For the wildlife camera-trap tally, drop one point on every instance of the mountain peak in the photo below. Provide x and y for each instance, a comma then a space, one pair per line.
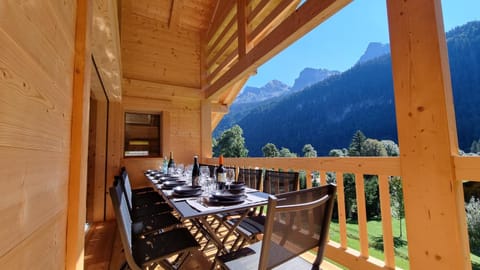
273, 88
374, 50
309, 76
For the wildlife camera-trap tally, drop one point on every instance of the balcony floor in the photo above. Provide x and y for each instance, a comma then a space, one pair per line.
103, 250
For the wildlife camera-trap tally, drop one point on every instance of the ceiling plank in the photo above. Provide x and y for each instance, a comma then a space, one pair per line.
303, 20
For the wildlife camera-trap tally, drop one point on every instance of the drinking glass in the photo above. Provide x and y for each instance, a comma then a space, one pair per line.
179, 169
204, 179
230, 177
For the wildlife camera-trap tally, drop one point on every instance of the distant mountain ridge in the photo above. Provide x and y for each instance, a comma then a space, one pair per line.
374, 50
327, 113
272, 89
310, 76
251, 97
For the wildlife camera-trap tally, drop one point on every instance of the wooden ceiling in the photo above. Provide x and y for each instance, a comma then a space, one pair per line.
191, 15
207, 49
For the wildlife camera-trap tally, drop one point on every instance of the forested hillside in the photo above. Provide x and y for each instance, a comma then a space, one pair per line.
361, 98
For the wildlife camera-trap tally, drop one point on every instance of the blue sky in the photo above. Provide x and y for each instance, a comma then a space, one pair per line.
340, 41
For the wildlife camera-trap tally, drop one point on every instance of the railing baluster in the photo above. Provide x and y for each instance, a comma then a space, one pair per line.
362, 214
383, 184
342, 219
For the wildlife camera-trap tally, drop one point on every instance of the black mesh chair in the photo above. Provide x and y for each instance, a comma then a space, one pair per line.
147, 207
251, 177
144, 251
296, 222
274, 182
141, 196
149, 223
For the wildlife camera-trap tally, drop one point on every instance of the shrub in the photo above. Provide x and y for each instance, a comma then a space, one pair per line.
473, 222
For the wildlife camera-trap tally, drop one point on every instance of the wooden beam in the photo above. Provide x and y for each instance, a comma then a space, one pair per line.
174, 16
278, 13
115, 129
155, 90
223, 50
257, 10
225, 64
307, 17
219, 38
77, 184
219, 108
242, 28
434, 206
206, 130
222, 10
165, 131
106, 46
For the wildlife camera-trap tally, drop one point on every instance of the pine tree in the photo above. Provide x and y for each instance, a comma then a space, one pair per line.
355, 148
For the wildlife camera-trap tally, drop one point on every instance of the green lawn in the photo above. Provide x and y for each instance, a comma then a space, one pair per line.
374, 228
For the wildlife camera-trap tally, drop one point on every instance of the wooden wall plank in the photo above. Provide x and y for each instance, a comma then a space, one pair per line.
46, 42
36, 72
32, 193
31, 90
43, 249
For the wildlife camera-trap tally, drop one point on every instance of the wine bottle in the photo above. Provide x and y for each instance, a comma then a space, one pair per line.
221, 174
195, 171
171, 164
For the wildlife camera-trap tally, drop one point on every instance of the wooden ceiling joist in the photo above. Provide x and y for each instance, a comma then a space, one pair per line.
242, 27
283, 8
224, 9
303, 20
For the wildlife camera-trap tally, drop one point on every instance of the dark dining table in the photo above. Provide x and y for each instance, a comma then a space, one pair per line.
198, 210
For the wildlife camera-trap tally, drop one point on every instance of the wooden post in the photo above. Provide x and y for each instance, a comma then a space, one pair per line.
435, 215
77, 185
206, 130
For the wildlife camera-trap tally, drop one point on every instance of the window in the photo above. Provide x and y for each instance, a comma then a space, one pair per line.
142, 135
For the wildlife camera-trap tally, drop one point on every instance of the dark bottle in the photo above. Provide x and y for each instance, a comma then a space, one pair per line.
171, 164
221, 173
195, 171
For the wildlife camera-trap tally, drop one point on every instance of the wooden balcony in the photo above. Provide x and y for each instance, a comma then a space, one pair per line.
70, 70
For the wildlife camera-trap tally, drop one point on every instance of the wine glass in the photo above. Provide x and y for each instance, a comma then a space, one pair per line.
230, 177
204, 175
179, 169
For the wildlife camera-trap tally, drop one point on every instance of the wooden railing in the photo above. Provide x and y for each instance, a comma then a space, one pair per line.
467, 168
384, 168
